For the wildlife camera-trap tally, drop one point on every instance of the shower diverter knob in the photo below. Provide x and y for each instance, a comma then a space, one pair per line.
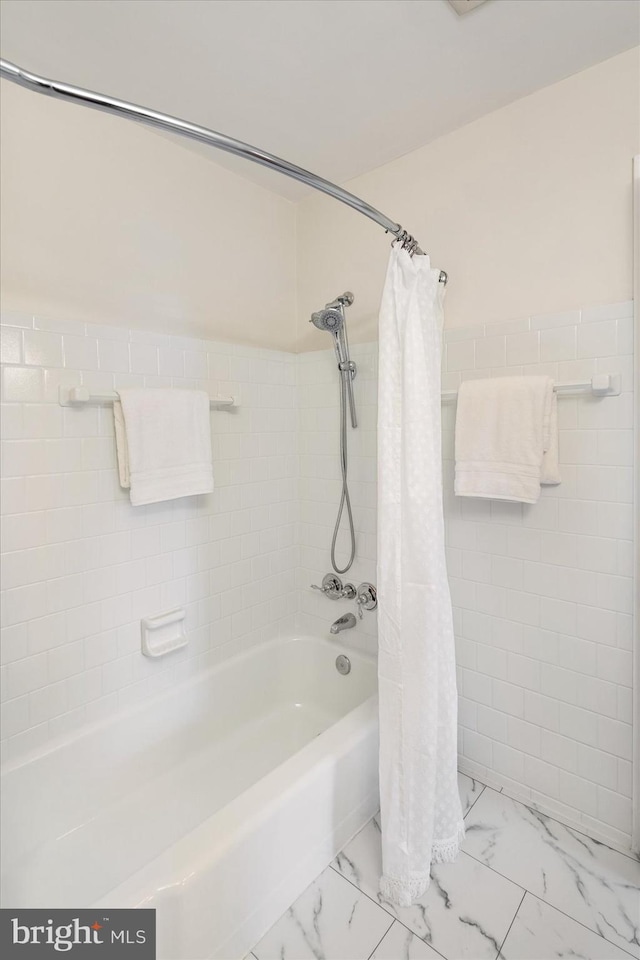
367, 598
331, 586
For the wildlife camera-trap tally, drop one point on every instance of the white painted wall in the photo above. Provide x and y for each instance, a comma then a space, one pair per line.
105, 221
528, 209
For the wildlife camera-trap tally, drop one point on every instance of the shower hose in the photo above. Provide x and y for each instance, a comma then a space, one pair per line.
345, 499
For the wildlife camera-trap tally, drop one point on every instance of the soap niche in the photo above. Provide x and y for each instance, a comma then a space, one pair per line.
163, 633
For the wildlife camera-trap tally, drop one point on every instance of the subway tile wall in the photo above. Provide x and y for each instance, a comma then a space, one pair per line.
542, 593
81, 566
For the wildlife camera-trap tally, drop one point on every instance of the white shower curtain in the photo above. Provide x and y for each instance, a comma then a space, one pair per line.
421, 814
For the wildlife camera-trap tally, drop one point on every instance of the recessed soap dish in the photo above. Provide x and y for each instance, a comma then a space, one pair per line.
163, 633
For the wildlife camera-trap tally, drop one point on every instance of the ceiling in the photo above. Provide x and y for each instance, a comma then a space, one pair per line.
337, 86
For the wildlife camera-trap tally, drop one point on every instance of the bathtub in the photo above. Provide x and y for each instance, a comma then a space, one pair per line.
217, 802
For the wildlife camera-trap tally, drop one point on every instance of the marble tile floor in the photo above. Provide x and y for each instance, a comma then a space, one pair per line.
524, 887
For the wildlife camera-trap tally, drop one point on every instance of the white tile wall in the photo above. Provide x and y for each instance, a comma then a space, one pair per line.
542, 593
81, 566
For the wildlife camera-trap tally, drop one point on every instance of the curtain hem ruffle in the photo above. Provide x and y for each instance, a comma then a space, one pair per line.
404, 891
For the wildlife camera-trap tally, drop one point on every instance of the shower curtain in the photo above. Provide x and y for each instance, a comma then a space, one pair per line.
421, 813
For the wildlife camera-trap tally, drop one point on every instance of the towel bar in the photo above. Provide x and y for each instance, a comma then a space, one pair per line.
80, 397
601, 385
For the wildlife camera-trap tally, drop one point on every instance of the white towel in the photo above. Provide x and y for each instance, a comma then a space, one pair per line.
163, 441
506, 438
550, 469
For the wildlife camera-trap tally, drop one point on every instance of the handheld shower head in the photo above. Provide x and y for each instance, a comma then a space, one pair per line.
330, 319
333, 320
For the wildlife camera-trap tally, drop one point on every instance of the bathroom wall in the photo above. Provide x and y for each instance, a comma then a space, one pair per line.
81, 566
499, 203
542, 593
528, 209
106, 220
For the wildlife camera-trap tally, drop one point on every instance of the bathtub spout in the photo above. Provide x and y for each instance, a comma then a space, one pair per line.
343, 623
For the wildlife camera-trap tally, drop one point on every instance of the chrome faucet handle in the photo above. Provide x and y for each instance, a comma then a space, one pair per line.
367, 598
348, 592
331, 586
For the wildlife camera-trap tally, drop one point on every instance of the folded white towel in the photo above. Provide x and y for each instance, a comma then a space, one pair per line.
163, 441
506, 438
550, 469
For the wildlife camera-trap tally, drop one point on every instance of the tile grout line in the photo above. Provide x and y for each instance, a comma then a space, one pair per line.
525, 891
549, 904
395, 918
421, 939
363, 892
381, 938
581, 833
484, 787
580, 923
513, 920
504, 877
368, 895
630, 856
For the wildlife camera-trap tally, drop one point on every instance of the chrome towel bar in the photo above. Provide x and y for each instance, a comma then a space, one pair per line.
601, 385
80, 397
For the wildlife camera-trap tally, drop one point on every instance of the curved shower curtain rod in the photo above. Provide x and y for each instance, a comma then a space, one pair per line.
122, 108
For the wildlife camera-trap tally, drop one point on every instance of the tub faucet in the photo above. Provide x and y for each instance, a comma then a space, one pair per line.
343, 623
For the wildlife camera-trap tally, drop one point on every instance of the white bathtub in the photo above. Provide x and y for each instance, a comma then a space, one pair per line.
216, 803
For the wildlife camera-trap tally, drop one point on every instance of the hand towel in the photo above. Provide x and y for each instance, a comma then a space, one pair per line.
550, 470
503, 428
163, 442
